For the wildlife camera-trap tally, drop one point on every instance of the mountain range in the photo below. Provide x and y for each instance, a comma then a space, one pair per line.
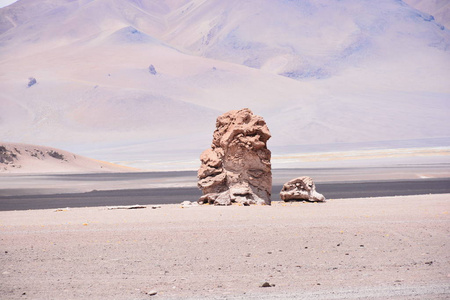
141, 82
32, 159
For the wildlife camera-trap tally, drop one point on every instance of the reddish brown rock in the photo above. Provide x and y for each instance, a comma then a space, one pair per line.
301, 188
237, 166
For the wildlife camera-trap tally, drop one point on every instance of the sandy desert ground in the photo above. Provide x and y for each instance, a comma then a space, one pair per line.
372, 248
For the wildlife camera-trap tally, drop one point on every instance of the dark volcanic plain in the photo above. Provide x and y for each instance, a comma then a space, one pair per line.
178, 194
20, 192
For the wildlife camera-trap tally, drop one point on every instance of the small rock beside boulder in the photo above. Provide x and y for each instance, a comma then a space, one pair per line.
301, 189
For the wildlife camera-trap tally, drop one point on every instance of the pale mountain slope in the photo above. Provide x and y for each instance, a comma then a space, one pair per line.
352, 72
439, 9
303, 39
23, 158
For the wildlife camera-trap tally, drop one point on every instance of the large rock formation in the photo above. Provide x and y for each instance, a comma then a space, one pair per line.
237, 167
301, 188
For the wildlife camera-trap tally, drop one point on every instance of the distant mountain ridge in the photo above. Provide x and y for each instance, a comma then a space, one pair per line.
228, 30
29, 159
319, 72
440, 9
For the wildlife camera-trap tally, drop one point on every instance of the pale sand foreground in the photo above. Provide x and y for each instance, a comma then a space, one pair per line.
394, 247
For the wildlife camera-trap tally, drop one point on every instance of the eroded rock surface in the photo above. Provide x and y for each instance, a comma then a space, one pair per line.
237, 166
301, 188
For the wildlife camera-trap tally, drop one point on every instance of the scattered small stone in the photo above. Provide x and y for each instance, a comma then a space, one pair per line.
318, 283
266, 284
152, 293
188, 204
23, 294
152, 70
31, 81
62, 209
137, 206
429, 263
269, 252
156, 206
338, 244
362, 246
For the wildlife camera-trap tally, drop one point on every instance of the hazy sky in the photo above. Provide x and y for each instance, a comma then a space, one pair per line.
4, 3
